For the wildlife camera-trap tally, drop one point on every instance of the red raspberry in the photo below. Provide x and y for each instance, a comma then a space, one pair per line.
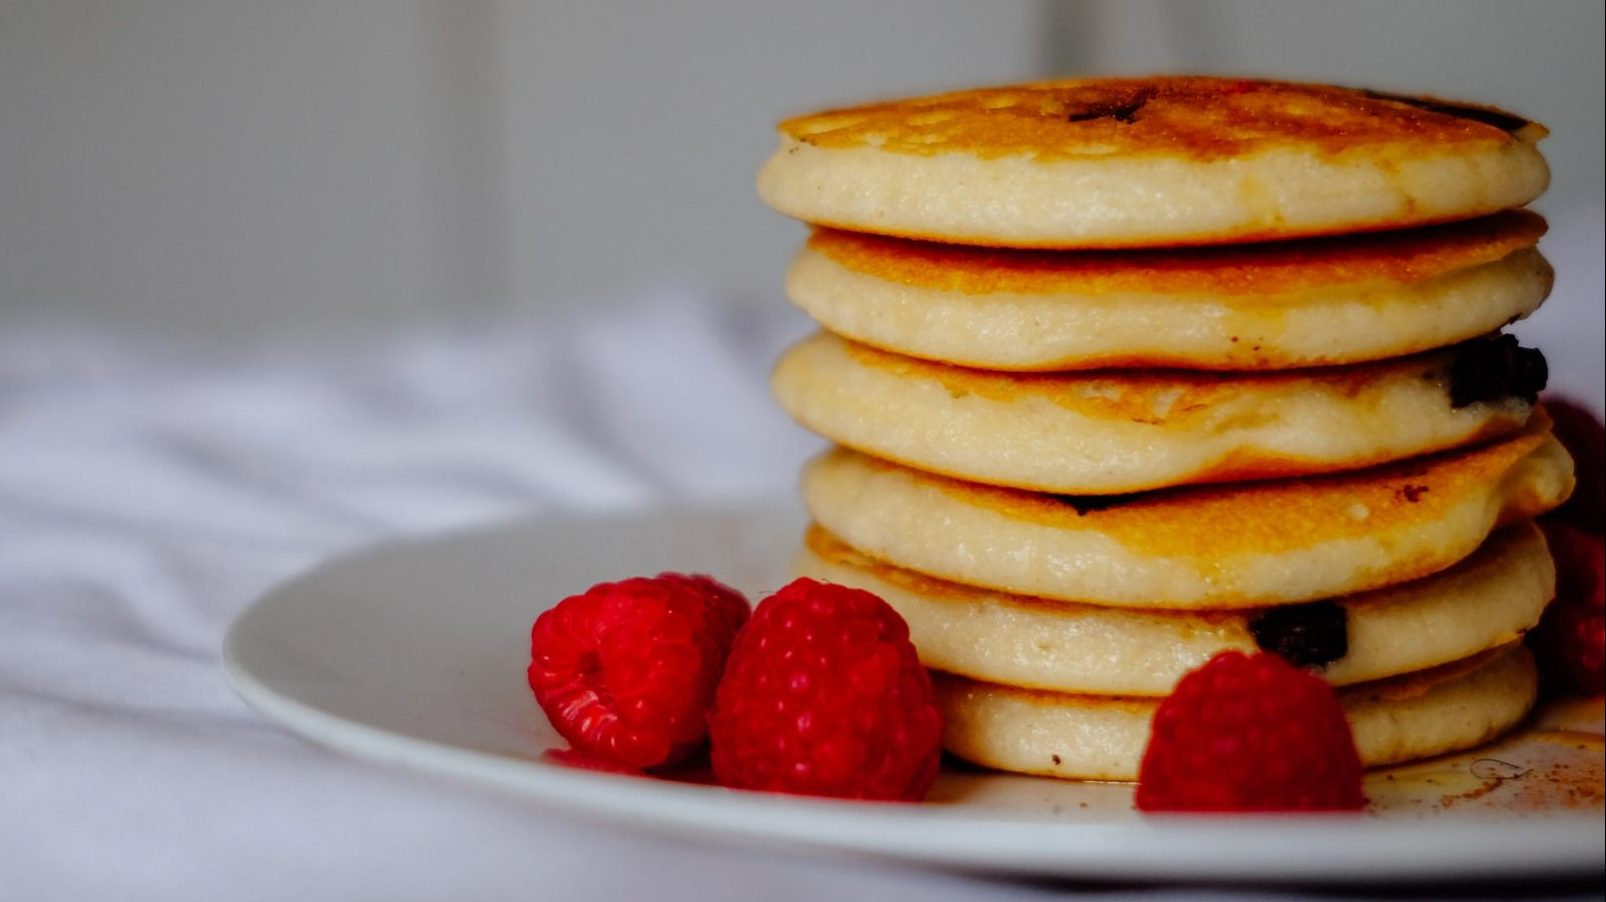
1580, 563
1570, 641
579, 760
1570, 645
626, 671
824, 695
1584, 437
1250, 734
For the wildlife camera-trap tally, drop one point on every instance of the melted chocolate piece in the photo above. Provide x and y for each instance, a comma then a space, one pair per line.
1504, 121
1086, 504
1313, 634
1124, 112
1496, 368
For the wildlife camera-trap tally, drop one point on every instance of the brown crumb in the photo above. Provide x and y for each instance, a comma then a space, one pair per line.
1413, 493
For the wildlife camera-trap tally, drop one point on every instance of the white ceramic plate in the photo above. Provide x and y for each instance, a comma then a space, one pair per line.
413, 654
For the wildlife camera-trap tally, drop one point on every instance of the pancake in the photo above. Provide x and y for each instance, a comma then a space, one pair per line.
1277, 306
1199, 548
1488, 600
1127, 431
1090, 737
1143, 162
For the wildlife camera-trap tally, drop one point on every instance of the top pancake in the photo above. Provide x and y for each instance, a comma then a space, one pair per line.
1142, 162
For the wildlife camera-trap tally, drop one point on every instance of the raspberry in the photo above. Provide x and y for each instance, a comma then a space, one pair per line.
824, 695
1584, 437
1570, 641
1580, 563
1570, 645
579, 760
626, 671
1250, 734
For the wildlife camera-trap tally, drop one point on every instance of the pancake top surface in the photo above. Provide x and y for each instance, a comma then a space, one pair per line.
1238, 270
1191, 117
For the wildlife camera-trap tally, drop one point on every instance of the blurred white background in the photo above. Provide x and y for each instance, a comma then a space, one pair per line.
230, 168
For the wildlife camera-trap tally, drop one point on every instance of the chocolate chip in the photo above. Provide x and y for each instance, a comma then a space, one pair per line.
1413, 493
1313, 634
1500, 119
1087, 504
1122, 111
1494, 369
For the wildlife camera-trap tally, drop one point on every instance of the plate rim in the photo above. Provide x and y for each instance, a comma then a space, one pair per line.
1195, 847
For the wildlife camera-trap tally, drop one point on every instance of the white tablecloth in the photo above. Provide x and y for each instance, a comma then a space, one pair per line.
148, 492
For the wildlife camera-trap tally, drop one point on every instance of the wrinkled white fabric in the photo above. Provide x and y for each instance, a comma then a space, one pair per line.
149, 492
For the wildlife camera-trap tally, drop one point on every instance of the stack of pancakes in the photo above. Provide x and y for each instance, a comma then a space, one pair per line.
1124, 373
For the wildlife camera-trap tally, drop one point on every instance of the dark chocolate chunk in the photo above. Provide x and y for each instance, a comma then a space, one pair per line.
1413, 493
1086, 504
1122, 111
1500, 119
1496, 368
1313, 634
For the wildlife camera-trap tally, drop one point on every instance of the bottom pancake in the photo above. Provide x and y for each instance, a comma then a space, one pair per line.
1089, 737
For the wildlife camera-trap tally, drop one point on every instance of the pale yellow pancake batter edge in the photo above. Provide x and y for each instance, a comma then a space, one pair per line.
999, 539
1486, 601
1145, 200
1110, 433
1346, 323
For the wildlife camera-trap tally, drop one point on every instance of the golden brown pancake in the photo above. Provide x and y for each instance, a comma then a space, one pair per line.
1271, 306
1199, 548
1488, 600
1130, 430
1139, 162
1093, 737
